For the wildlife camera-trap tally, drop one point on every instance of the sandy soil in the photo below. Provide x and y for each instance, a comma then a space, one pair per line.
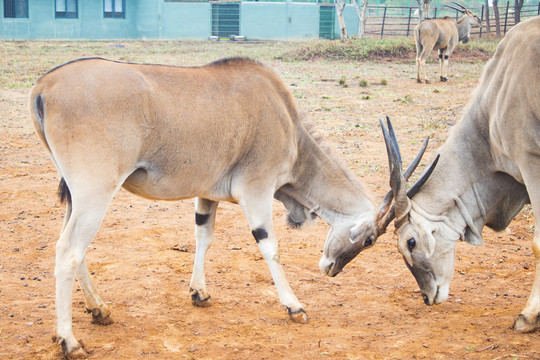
373, 310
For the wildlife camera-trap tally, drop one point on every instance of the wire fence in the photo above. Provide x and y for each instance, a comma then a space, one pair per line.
400, 20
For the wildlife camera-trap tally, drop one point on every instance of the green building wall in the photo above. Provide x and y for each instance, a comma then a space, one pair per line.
159, 19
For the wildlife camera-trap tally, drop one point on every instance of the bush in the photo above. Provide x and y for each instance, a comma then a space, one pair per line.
355, 49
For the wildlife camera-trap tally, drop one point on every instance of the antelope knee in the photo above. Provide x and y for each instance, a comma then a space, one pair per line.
259, 234
201, 219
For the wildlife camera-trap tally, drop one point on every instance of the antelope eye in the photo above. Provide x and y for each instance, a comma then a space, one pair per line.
411, 243
368, 242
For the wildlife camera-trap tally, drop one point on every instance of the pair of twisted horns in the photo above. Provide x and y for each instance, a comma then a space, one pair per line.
458, 7
398, 180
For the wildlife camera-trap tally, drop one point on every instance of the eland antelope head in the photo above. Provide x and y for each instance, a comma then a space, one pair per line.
489, 168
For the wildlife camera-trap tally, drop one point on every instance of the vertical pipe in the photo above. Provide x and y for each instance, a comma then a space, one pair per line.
383, 21
506, 16
482, 20
409, 22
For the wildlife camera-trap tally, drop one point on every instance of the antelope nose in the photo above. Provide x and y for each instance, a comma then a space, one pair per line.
326, 265
426, 299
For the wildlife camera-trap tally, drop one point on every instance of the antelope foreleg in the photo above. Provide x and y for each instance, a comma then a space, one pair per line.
529, 319
269, 249
418, 79
258, 210
204, 234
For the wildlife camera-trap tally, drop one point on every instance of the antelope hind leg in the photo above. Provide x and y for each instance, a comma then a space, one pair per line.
85, 219
101, 313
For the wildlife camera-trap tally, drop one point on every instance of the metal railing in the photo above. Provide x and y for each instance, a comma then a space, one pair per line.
400, 21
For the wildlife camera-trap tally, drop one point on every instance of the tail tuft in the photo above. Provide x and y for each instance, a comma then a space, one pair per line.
63, 192
40, 107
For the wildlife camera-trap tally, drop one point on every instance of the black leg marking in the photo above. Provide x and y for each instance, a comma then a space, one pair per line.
201, 219
259, 234
440, 56
446, 57
63, 192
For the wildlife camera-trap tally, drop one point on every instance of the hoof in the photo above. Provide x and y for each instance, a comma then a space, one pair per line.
298, 316
523, 325
101, 317
428, 82
443, 79
72, 352
198, 300
419, 81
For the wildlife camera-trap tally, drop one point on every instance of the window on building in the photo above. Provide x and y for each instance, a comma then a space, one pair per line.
114, 9
66, 9
15, 8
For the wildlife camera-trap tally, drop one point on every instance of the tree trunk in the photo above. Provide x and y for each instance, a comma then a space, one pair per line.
497, 18
361, 17
340, 5
518, 4
488, 25
423, 9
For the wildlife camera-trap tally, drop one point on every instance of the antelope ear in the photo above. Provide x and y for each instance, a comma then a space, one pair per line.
362, 230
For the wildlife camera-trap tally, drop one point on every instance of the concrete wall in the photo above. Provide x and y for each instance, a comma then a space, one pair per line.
158, 19
279, 21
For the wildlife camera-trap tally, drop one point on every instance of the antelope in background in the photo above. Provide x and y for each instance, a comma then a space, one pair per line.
442, 34
227, 131
489, 169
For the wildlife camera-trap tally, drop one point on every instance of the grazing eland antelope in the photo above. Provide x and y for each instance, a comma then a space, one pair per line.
489, 168
227, 131
442, 34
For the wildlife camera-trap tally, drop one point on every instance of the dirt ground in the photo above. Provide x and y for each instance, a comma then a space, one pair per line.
373, 310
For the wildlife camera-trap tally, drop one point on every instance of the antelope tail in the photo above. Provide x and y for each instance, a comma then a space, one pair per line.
39, 123
419, 46
38, 112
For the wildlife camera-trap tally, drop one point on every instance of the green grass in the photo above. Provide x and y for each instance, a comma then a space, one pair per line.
23, 62
376, 49
353, 50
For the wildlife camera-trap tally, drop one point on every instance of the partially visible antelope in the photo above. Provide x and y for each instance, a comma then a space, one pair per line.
227, 131
442, 34
489, 168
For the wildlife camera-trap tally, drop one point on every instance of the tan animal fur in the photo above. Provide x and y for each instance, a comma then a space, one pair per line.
443, 35
489, 169
227, 131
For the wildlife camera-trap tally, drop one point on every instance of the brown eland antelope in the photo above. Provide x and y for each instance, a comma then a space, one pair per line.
227, 131
442, 34
489, 169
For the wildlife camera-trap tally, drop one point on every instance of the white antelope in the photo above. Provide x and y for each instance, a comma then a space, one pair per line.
489, 169
442, 34
228, 131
